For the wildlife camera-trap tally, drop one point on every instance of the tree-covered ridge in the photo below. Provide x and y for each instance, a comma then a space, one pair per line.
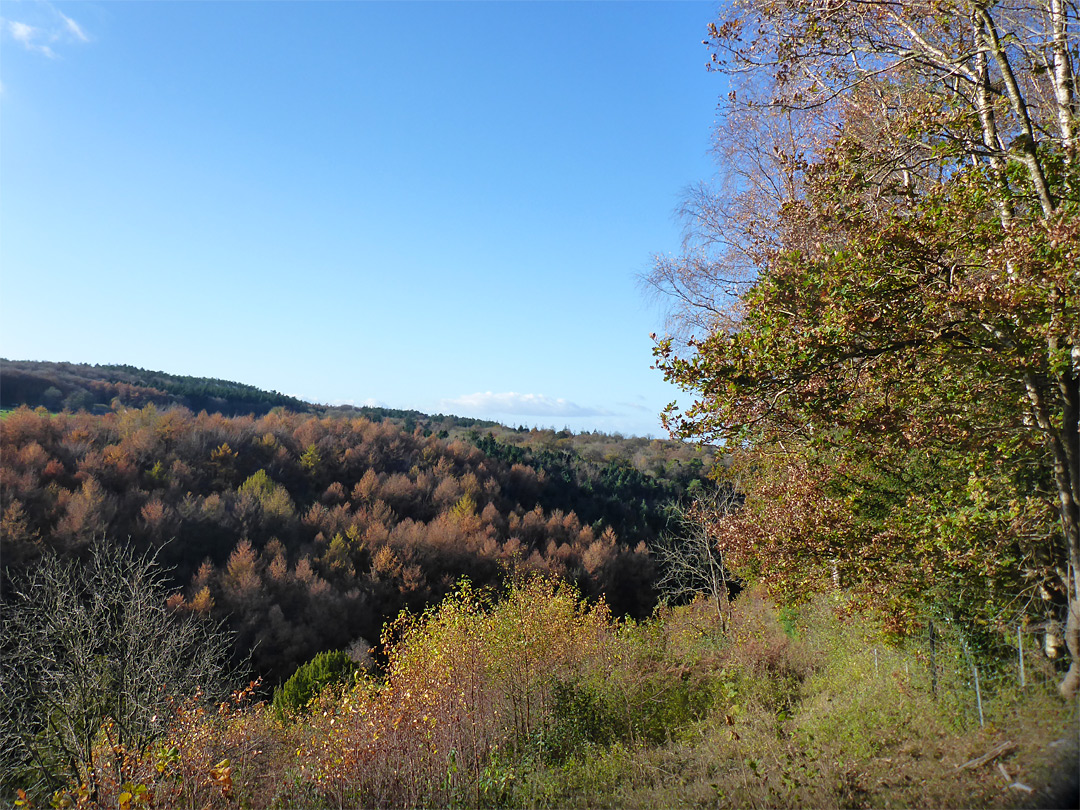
307, 532
79, 386
99, 388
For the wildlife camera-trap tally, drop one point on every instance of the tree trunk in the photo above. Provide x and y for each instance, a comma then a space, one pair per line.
990, 137
1063, 75
1029, 156
1065, 449
1069, 486
1071, 684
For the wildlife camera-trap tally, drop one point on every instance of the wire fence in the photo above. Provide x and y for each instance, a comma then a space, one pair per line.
966, 676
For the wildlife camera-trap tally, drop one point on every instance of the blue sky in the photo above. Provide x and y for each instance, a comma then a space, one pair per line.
441, 206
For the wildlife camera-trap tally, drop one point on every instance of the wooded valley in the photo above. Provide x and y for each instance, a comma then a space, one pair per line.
850, 579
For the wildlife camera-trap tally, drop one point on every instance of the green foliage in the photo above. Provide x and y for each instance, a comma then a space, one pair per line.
583, 714
892, 339
156, 476
311, 460
465, 507
601, 489
325, 669
878, 367
81, 387
273, 497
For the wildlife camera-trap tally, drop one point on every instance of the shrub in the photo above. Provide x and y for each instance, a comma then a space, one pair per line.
583, 714
469, 687
326, 668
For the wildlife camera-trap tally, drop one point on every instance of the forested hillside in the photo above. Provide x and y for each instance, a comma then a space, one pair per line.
77, 386
876, 322
306, 533
99, 388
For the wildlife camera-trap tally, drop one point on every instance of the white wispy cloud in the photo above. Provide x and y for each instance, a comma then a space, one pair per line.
30, 37
22, 32
519, 405
73, 27
368, 402
50, 29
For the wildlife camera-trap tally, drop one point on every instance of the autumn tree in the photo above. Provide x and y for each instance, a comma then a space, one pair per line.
887, 288
298, 556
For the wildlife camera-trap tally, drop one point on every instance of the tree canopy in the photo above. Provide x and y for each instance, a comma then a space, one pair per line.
879, 303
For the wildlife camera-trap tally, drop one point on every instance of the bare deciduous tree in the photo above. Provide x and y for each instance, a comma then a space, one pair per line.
689, 560
91, 648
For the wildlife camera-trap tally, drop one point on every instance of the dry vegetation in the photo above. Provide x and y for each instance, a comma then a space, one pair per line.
537, 699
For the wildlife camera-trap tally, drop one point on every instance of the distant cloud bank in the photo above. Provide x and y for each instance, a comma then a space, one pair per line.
519, 405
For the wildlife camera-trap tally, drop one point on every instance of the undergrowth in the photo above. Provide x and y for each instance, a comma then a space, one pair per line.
537, 699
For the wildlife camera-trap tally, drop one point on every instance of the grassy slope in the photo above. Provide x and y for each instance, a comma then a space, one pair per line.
536, 703
810, 712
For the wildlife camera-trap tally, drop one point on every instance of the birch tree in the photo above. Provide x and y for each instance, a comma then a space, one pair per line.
900, 241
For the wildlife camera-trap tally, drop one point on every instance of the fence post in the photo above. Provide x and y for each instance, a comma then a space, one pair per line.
933, 661
1020, 639
978, 694
978, 691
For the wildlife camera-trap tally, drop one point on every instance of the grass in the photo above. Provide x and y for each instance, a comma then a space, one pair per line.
819, 713
537, 701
